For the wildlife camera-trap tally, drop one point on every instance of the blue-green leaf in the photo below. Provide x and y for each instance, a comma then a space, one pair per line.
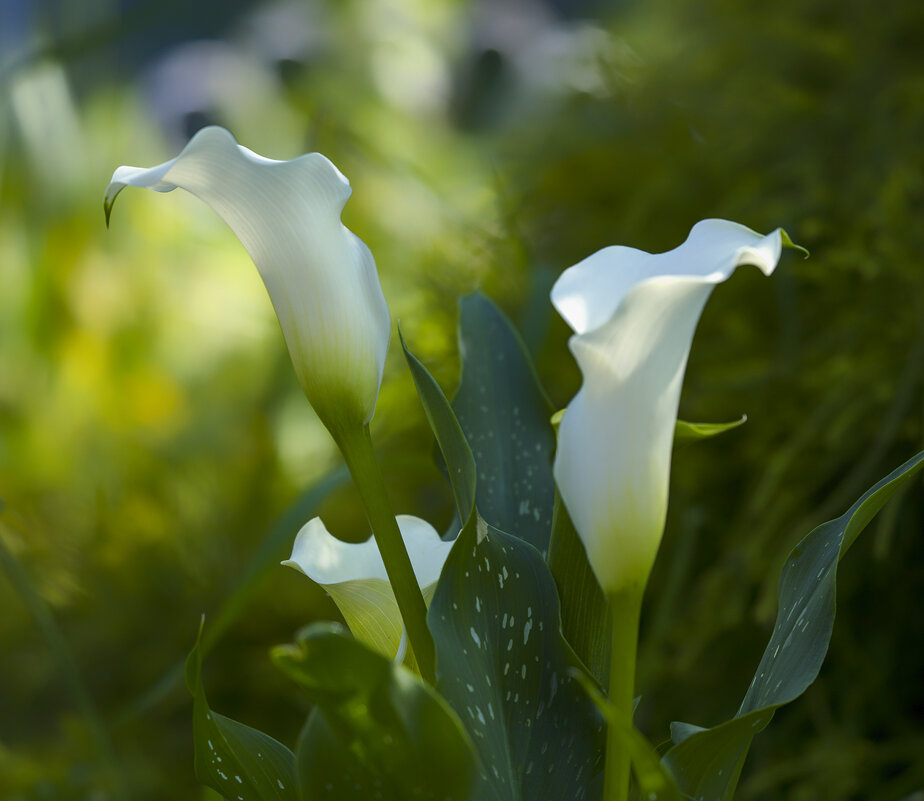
382, 732
449, 436
239, 762
505, 414
707, 763
504, 666
501, 660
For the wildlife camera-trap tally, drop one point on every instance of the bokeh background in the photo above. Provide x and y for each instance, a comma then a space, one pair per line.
156, 453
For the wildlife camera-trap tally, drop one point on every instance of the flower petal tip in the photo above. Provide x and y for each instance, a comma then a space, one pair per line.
293, 564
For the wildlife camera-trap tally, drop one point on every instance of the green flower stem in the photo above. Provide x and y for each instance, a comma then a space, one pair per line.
356, 446
625, 608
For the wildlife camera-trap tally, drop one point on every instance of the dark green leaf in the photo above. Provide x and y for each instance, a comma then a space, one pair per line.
504, 414
501, 660
399, 740
654, 781
680, 731
505, 668
585, 614
707, 763
241, 763
449, 436
328, 770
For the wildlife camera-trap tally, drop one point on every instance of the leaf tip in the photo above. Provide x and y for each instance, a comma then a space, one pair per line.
193, 668
555, 419
109, 200
788, 243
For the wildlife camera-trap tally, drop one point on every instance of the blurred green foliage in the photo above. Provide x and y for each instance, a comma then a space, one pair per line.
152, 430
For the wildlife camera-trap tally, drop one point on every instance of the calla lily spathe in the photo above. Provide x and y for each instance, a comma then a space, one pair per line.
320, 276
354, 576
634, 315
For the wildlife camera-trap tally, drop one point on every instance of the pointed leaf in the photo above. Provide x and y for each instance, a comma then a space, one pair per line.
585, 614
685, 433
680, 731
449, 436
239, 762
401, 735
707, 763
501, 660
504, 414
788, 243
505, 668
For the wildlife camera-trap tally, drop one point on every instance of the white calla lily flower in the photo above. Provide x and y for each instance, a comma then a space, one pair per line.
354, 576
320, 276
634, 315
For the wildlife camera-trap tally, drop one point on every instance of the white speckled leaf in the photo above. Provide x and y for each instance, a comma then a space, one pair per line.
707, 762
239, 762
505, 668
501, 660
504, 414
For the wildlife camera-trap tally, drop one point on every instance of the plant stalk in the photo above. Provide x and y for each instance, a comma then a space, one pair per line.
625, 608
356, 446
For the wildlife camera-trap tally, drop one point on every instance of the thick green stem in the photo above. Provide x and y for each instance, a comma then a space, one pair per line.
356, 446
625, 608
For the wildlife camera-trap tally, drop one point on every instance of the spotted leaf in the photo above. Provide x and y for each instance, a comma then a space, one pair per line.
239, 762
501, 660
707, 762
504, 666
505, 416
